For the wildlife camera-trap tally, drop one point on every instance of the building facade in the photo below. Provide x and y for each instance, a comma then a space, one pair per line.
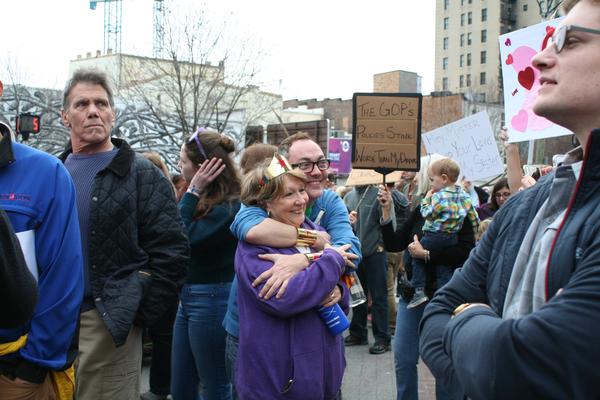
466, 43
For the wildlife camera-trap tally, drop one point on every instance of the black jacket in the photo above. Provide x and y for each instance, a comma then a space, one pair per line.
18, 288
139, 253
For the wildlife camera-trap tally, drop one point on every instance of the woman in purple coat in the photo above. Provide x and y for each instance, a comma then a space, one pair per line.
286, 351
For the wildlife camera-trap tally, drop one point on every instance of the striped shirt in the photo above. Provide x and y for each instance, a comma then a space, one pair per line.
446, 210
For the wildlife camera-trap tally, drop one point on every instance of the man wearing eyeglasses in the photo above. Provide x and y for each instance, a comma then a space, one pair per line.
135, 251
253, 225
521, 319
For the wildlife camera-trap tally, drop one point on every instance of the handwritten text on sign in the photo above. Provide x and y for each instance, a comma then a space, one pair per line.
470, 142
386, 131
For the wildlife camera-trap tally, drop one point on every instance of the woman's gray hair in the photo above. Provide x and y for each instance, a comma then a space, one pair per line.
423, 183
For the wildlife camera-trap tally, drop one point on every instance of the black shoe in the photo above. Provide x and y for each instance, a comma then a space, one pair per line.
379, 348
352, 340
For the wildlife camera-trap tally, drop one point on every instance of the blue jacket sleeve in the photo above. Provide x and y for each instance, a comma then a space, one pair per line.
305, 290
60, 265
245, 219
337, 223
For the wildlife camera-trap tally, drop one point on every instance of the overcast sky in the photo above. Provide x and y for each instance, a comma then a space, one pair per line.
317, 48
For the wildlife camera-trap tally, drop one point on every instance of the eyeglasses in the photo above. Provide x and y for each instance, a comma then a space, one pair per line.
558, 36
308, 166
194, 138
502, 194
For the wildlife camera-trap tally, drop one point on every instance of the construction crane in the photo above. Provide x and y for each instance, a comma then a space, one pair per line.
113, 11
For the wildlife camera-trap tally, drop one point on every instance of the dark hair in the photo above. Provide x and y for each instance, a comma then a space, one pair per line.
501, 184
226, 187
284, 146
92, 76
256, 154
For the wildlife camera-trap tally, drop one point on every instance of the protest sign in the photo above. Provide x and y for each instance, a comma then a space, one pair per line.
387, 131
470, 142
339, 152
359, 177
521, 83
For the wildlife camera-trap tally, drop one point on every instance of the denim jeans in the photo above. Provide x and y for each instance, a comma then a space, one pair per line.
161, 334
232, 344
406, 353
198, 356
372, 272
433, 241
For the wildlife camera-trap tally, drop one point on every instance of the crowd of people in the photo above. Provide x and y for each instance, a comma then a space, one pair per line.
243, 277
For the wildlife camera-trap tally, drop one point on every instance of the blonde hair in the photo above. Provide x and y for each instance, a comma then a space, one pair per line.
256, 192
446, 166
483, 225
423, 183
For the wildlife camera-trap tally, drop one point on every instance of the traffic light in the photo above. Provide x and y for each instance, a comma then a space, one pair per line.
28, 123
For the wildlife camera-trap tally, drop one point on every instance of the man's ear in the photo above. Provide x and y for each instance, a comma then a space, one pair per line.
65, 118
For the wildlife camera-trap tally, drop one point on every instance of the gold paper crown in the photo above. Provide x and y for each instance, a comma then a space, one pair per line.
278, 166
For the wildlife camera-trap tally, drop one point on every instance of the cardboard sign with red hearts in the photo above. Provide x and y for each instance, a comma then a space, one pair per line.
521, 83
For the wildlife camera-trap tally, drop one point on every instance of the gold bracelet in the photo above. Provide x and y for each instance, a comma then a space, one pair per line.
313, 256
305, 237
460, 309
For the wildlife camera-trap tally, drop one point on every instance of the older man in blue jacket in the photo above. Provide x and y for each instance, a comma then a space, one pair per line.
521, 318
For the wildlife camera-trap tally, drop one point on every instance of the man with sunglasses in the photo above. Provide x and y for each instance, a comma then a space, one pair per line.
135, 251
521, 319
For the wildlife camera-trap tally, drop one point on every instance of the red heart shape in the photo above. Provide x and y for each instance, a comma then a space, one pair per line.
549, 28
509, 59
525, 78
507, 42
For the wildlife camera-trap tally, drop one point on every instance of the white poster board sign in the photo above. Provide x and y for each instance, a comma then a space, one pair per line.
470, 142
521, 84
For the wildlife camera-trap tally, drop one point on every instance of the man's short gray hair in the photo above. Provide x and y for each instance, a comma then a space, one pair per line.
92, 76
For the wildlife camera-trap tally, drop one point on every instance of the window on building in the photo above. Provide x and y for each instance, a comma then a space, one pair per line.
483, 14
462, 19
470, 18
445, 84
446, 4
445, 63
469, 38
462, 39
462, 2
525, 6
483, 57
468, 59
445, 43
462, 81
446, 23
461, 61
482, 97
482, 78
470, 1
468, 80
484, 36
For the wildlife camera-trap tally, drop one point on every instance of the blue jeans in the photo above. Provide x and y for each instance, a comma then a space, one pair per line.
406, 353
199, 344
433, 241
232, 344
372, 272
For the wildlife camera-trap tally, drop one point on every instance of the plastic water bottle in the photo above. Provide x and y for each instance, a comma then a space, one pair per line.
357, 294
334, 318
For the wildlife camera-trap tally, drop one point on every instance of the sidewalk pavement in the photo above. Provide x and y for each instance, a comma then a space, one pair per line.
367, 376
